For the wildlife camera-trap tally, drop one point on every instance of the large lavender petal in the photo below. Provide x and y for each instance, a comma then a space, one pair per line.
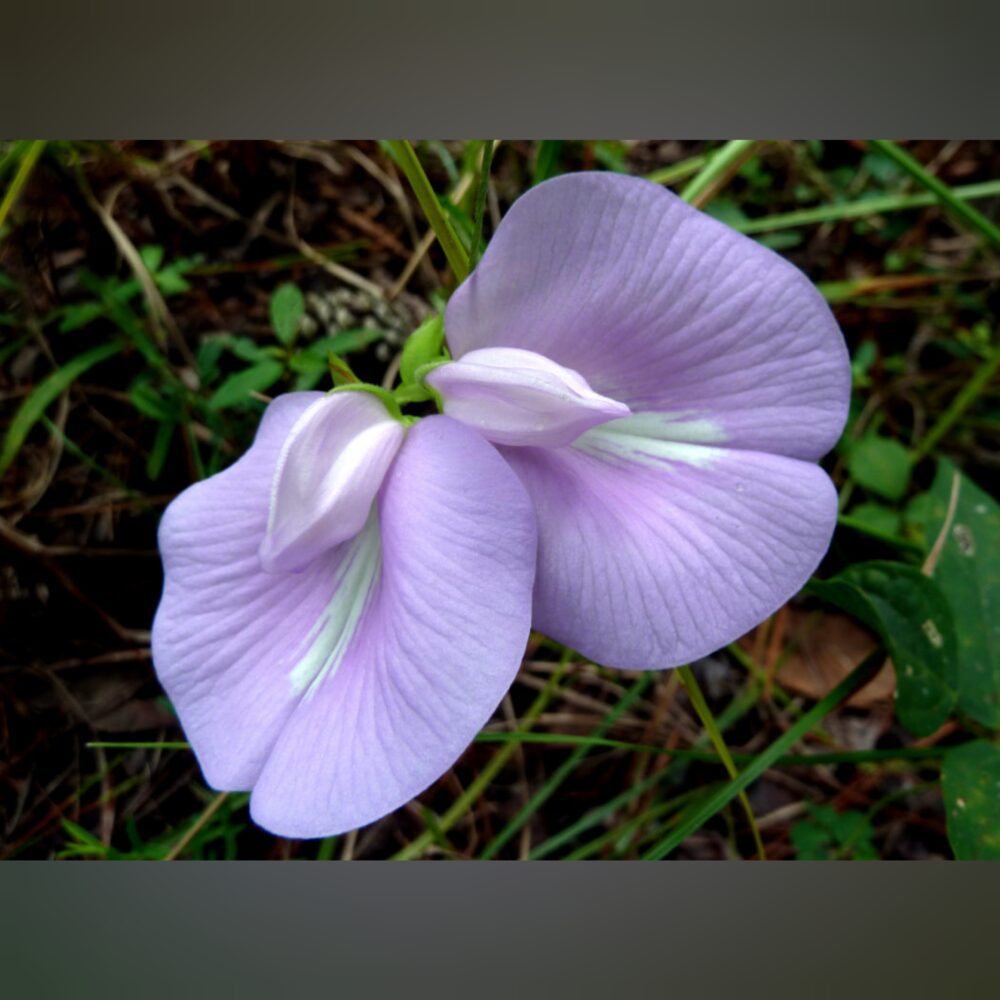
663, 308
653, 553
437, 648
339, 692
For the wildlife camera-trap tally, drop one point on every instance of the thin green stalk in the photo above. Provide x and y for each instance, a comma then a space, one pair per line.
962, 401
861, 209
855, 680
24, 169
724, 159
677, 171
694, 692
462, 804
480, 208
458, 259
944, 194
563, 771
567, 739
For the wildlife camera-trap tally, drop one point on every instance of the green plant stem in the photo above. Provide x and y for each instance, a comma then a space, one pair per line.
941, 191
677, 171
694, 692
567, 739
480, 207
24, 169
966, 396
562, 772
861, 209
458, 259
461, 805
724, 160
855, 680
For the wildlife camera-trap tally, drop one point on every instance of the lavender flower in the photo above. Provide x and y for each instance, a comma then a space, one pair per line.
346, 605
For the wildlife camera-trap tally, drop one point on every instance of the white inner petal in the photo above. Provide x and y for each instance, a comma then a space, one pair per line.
517, 397
324, 648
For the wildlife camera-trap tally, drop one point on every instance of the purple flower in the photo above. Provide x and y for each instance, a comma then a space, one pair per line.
347, 604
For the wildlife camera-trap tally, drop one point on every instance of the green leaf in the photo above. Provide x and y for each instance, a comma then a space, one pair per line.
152, 256
49, 389
345, 342
911, 615
968, 573
237, 388
287, 310
423, 345
827, 834
970, 783
877, 517
881, 465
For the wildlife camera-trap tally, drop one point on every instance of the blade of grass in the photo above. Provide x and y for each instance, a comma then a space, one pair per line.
855, 680
862, 208
970, 216
966, 396
480, 208
677, 171
694, 692
196, 827
721, 166
461, 805
46, 392
406, 157
563, 771
20, 179
567, 739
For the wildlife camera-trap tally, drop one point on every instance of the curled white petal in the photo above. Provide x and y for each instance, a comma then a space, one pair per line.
328, 474
517, 397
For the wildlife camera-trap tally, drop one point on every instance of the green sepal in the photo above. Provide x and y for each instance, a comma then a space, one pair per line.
390, 404
424, 344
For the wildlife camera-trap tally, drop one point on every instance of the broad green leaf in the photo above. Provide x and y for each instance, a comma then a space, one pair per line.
970, 782
152, 256
287, 309
237, 388
423, 345
881, 465
968, 573
912, 617
39, 399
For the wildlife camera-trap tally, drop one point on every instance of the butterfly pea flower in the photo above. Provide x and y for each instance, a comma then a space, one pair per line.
343, 608
632, 412
669, 531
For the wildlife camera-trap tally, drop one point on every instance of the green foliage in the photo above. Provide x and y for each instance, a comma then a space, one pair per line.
287, 309
881, 465
970, 783
828, 835
424, 345
968, 574
912, 618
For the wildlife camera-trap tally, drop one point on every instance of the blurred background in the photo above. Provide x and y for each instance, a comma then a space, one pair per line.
155, 295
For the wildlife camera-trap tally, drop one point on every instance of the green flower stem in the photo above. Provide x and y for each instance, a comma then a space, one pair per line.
694, 692
941, 191
458, 259
724, 161
962, 401
855, 680
464, 802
